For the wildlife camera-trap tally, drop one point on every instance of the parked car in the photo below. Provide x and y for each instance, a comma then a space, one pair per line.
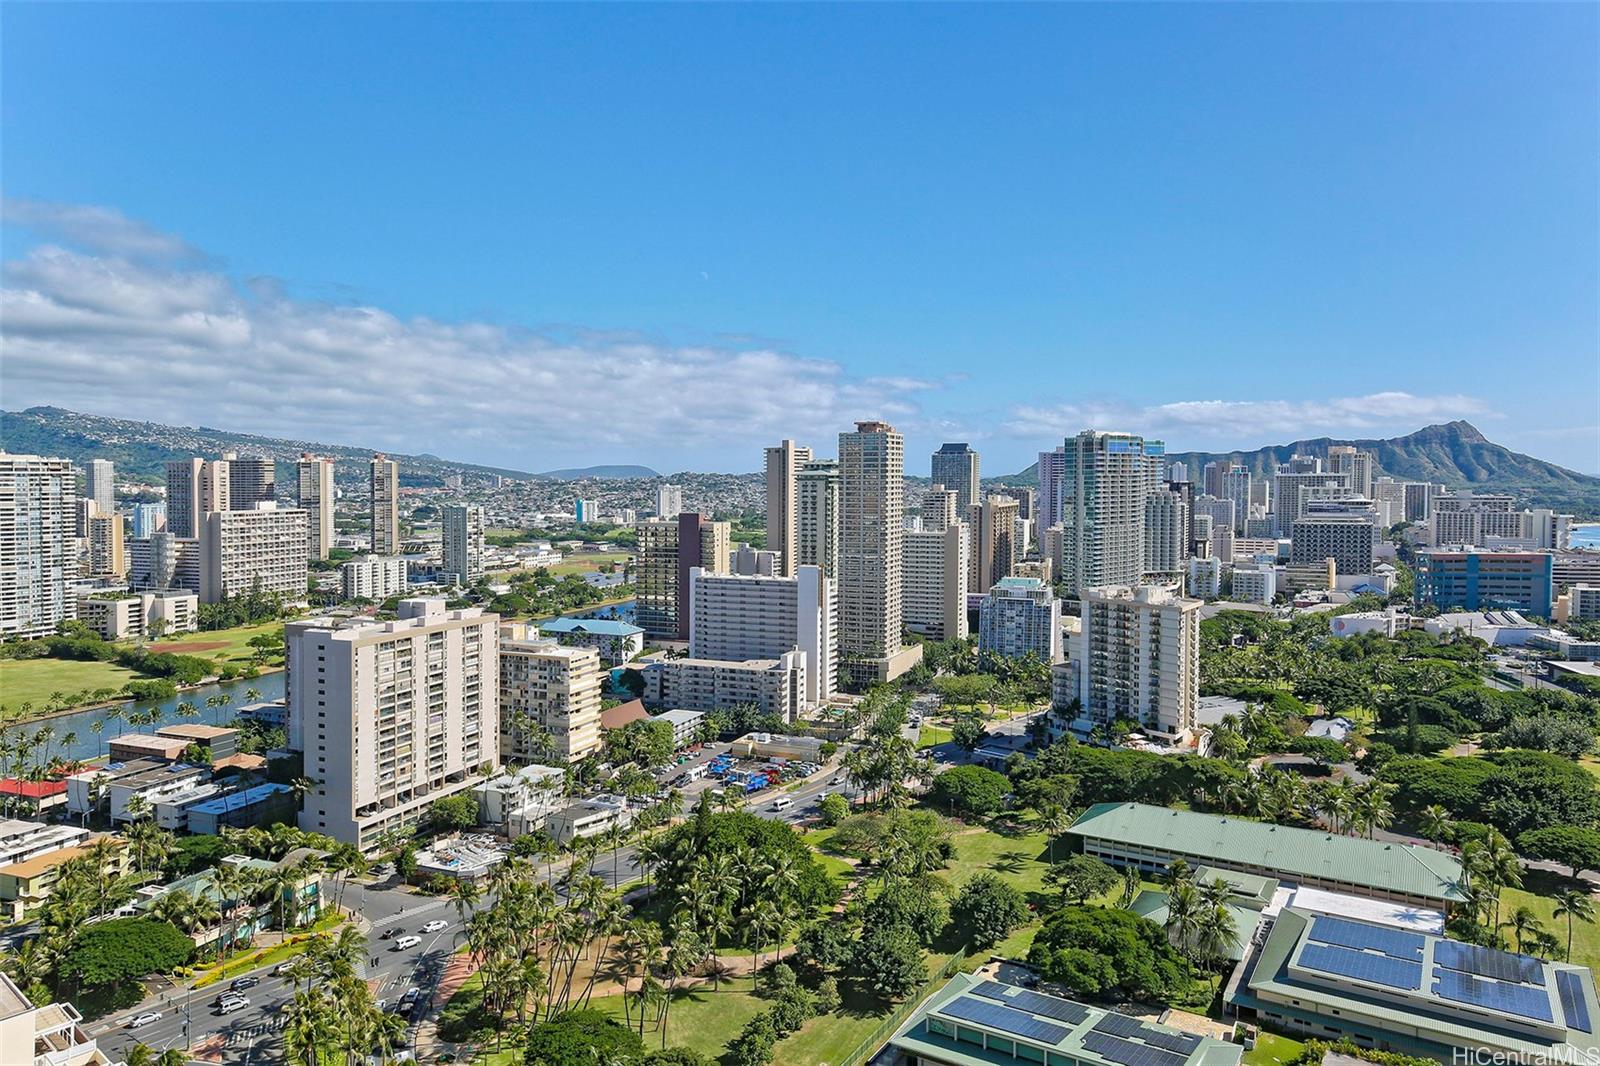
147, 1018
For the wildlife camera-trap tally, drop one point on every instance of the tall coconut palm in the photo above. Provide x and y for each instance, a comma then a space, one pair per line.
1523, 923
1573, 903
1435, 823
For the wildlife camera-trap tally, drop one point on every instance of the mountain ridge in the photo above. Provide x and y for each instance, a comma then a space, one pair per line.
1455, 454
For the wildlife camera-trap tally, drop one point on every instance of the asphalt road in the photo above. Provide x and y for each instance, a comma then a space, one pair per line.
252, 1035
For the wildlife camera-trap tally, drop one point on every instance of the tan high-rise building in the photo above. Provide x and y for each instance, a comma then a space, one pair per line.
933, 587
1138, 655
668, 549
183, 497
545, 686
941, 508
996, 553
871, 532
317, 498
391, 716
38, 551
385, 506
817, 510
107, 558
783, 469
251, 480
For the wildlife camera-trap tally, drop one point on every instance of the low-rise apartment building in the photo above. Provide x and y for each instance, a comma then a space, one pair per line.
373, 577
775, 686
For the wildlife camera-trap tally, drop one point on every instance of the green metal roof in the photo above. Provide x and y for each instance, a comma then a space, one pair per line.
1153, 905
1417, 1016
915, 1038
1296, 853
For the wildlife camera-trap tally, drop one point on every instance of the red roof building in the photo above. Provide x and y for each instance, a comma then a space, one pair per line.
623, 713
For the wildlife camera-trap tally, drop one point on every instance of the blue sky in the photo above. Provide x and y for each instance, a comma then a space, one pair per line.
546, 236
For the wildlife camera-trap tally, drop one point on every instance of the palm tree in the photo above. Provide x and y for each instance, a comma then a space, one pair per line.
97, 727
1435, 823
1183, 915
1573, 903
762, 923
1523, 922
1131, 882
463, 894
1216, 933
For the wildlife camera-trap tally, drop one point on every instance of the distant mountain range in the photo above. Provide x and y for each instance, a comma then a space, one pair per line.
578, 473
1455, 454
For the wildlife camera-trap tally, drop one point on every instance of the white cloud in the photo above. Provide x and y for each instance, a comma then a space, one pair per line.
120, 325
1228, 423
100, 229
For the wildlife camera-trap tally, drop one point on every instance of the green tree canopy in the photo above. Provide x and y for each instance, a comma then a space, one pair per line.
125, 949
581, 1038
974, 790
1574, 846
1110, 954
987, 909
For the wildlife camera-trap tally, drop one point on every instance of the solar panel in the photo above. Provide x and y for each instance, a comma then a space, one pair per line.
1396, 943
1127, 1053
1573, 1004
1063, 1010
1487, 962
1004, 1019
1362, 965
1505, 997
992, 990
1183, 1043
1119, 1025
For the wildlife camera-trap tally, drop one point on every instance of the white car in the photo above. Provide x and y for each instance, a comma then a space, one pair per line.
434, 926
147, 1018
406, 942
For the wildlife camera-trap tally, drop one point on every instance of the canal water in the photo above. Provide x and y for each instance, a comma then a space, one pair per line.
88, 746
270, 686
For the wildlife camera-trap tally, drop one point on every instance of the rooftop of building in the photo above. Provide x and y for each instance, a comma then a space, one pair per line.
40, 863
21, 827
605, 627
1296, 853
157, 774
1444, 991
164, 746
234, 801
680, 716
240, 760
12, 786
1091, 1036
623, 713
527, 776
195, 731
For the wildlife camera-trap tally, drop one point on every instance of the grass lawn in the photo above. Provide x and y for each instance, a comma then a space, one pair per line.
35, 680
588, 562
930, 736
1272, 1050
235, 642
1537, 894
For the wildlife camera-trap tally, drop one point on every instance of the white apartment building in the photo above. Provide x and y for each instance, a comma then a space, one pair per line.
164, 561
1205, 577
1294, 484
739, 617
100, 485
119, 615
1582, 603
38, 554
263, 548
871, 527
518, 802
1020, 615
373, 577
1254, 583
1357, 466
774, 686
383, 507
1105, 480
391, 715
463, 543
669, 500
1139, 659
549, 687
317, 498
817, 515
1166, 534
21, 840
1349, 539
933, 583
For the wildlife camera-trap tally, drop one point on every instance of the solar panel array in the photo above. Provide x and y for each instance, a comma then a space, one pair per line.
1362, 965
1487, 962
1126, 1052
1062, 1010
1573, 1004
1120, 1025
1506, 997
1004, 1019
1396, 943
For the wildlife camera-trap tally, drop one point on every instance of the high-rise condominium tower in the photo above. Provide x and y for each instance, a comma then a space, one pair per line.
669, 500
955, 466
1354, 464
385, 507
38, 519
1139, 658
669, 548
107, 558
817, 515
871, 525
995, 552
100, 485
1047, 509
463, 542
195, 488
783, 469
1104, 482
316, 500
251, 480
550, 689
263, 548
391, 716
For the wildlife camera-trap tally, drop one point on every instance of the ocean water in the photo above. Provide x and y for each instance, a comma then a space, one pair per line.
1586, 535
